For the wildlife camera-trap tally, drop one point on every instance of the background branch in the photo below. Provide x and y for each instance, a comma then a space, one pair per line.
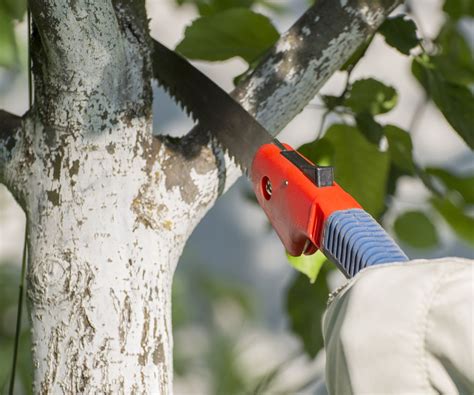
315, 47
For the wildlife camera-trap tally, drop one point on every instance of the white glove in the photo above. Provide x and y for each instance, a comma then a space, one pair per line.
404, 328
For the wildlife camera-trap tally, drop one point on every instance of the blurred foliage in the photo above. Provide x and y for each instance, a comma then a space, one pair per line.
198, 298
457, 217
416, 228
454, 100
370, 96
306, 304
211, 7
400, 33
9, 280
10, 12
218, 312
235, 32
360, 168
455, 184
457, 9
229, 28
400, 148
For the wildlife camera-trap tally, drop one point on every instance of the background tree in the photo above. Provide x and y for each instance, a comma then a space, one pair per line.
110, 207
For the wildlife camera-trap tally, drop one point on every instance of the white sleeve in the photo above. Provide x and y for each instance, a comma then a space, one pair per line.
403, 329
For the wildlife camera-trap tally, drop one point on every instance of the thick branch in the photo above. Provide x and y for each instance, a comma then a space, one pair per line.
92, 56
315, 47
294, 70
79, 38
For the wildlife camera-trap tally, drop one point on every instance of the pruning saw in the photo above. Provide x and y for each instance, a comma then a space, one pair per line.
306, 207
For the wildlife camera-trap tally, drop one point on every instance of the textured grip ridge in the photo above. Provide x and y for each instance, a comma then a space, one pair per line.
354, 240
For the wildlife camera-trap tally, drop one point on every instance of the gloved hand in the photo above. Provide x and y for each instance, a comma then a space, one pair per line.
403, 329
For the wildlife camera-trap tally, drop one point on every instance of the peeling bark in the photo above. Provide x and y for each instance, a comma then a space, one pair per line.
109, 206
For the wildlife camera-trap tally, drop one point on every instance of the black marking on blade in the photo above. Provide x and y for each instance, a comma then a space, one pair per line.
211, 106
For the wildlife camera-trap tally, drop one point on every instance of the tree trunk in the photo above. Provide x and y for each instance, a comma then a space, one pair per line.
109, 206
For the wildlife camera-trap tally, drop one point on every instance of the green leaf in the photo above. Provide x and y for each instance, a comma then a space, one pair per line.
464, 185
372, 96
400, 33
235, 32
308, 264
460, 222
211, 7
454, 59
394, 175
360, 168
416, 229
456, 102
8, 52
458, 8
369, 127
306, 304
400, 147
320, 152
331, 102
15, 8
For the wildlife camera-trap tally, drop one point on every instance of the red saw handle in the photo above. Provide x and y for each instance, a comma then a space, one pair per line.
297, 196
309, 211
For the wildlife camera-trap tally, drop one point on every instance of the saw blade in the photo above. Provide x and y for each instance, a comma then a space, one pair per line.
214, 109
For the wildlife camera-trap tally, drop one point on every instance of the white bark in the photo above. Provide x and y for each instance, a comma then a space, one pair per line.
99, 281
110, 207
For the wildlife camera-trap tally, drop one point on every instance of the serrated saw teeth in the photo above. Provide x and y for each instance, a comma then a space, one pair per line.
209, 105
179, 101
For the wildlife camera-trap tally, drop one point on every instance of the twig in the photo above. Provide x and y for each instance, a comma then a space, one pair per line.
25, 248
417, 114
19, 313
321, 125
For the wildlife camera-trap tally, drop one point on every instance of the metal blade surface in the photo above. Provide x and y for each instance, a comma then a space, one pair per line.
210, 105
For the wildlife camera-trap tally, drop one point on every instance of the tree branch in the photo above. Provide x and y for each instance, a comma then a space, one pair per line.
79, 38
315, 47
81, 51
294, 70
9, 124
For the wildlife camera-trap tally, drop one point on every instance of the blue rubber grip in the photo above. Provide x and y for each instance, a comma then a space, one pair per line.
353, 240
